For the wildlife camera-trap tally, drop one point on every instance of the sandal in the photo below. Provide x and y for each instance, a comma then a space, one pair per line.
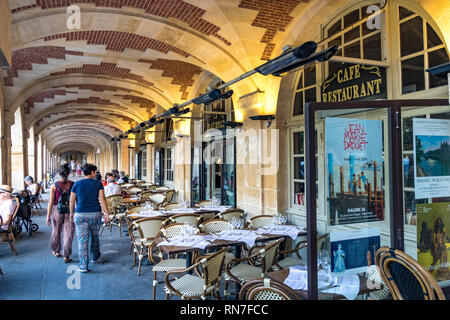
56, 254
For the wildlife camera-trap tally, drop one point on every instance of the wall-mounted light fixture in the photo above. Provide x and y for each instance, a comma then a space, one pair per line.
267, 118
232, 124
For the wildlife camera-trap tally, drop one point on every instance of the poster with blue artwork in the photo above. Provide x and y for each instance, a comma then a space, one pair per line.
354, 162
354, 250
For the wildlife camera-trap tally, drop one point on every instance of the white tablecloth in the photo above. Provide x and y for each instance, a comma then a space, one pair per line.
291, 231
147, 214
346, 285
247, 236
194, 241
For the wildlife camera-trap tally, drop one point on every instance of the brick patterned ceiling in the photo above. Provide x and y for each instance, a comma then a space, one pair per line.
119, 41
182, 73
99, 88
22, 59
105, 69
149, 105
273, 15
39, 97
90, 100
169, 9
195, 31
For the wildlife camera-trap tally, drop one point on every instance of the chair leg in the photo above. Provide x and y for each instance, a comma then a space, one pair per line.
134, 257
155, 282
101, 231
13, 248
225, 290
140, 260
120, 228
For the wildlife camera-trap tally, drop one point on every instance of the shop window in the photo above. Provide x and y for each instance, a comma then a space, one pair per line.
420, 48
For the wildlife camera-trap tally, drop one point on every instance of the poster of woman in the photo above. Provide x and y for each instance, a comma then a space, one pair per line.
433, 239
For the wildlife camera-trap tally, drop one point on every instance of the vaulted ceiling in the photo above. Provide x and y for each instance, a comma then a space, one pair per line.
130, 59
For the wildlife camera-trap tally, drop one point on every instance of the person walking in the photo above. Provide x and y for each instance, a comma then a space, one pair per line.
59, 218
73, 166
89, 196
78, 166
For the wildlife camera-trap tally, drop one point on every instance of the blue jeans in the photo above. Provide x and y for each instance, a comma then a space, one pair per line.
88, 226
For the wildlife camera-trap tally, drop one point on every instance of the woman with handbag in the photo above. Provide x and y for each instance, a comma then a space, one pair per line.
58, 215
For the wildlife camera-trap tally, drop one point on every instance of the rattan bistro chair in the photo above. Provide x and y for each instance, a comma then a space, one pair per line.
147, 229
146, 194
260, 221
168, 264
207, 284
190, 218
132, 231
116, 218
214, 226
267, 289
241, 270
293, 257
229, 214
405, 277
171, 206
8, 235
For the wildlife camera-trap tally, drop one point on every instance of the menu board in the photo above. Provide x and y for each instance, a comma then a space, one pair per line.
354, 159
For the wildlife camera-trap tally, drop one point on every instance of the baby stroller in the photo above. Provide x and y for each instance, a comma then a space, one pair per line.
23, 217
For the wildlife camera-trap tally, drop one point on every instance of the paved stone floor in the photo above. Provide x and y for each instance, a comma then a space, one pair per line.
36, 274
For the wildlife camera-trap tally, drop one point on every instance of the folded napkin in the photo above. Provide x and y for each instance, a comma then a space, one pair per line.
291, 231
246, 236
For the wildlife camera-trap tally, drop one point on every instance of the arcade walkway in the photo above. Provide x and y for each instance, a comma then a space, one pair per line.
35, 274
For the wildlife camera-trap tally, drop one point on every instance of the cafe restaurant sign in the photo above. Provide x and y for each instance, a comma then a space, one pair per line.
355, 82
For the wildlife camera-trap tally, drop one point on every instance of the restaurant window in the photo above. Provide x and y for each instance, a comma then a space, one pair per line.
298, 167
420, 48
144, 163
361, 42
306, 89
168, 165
213, 160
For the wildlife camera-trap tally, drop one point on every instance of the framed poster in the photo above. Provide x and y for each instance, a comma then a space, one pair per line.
354, 250
433, 240
431, 158
354, 159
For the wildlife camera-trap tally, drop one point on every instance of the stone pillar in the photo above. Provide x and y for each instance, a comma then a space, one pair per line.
39, 159
124, 156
